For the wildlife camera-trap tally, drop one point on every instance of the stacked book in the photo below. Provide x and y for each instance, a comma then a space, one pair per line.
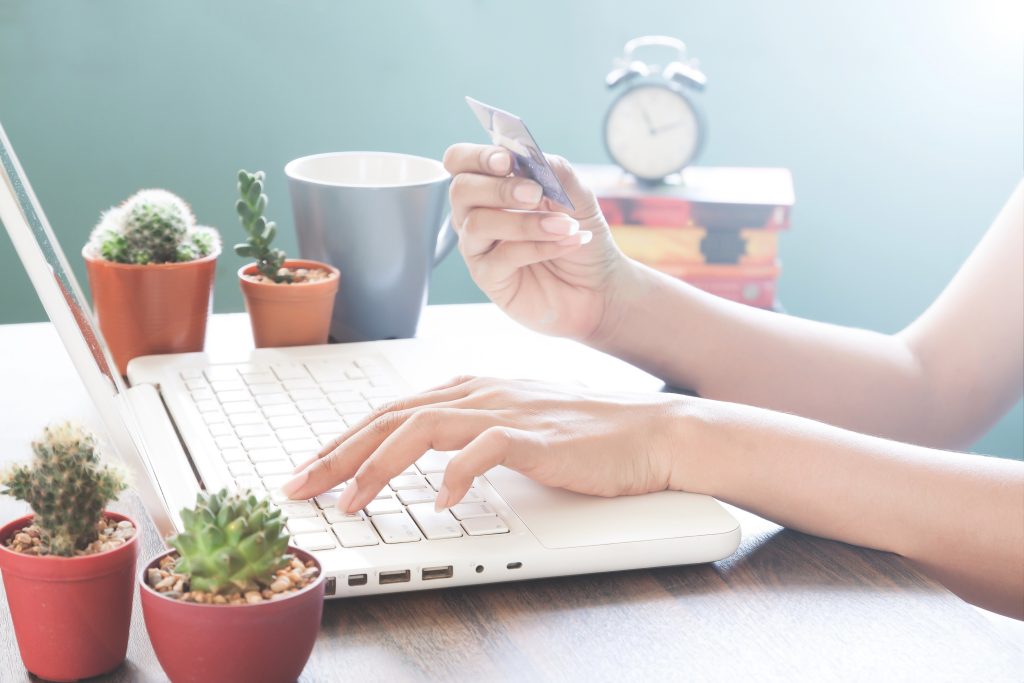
717, 229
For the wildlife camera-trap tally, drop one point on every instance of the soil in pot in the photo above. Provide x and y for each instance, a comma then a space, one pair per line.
265, 636
71, 614
290, 314
152, 308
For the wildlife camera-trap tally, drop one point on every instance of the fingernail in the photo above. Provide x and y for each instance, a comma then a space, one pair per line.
295, 483
560, 225
441, 502
527, 193
347, 496
498, 162
580, 238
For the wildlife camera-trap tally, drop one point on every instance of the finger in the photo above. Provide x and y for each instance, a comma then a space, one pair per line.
459, 388
469, 158
471, 190
483, 227
444, 430
499, 264
497, 445
582, 197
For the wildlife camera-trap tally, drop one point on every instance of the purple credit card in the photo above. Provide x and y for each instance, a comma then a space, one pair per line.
509, 131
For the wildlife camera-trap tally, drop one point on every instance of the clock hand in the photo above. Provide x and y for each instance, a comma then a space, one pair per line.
668, 126
647, 120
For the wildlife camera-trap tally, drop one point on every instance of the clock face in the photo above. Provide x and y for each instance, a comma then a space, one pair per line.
651, 131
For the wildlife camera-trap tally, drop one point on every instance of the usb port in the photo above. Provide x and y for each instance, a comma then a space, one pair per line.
437, 573
395, 577
357, 579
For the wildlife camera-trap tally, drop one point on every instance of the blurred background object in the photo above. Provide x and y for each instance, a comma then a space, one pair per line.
901, 122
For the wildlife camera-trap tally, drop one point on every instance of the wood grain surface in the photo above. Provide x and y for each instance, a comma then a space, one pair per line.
786, 606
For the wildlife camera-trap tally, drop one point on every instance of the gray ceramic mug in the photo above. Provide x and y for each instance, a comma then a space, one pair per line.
377, 218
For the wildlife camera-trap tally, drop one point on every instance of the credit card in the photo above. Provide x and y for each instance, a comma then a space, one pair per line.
509, 131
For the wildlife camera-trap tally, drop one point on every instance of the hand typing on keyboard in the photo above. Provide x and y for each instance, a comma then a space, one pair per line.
588, 442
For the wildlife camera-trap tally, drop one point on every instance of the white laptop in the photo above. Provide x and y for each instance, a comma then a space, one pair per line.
191, 422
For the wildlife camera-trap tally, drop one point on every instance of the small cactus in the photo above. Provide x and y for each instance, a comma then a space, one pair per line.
260, 231
67, 485
231, 543
152, 226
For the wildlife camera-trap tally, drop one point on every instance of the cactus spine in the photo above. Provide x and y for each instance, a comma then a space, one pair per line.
261, 232
231, 543
67, 486
152, 226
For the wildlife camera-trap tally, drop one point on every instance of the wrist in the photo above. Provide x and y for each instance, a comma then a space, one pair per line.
624, 287
697, 449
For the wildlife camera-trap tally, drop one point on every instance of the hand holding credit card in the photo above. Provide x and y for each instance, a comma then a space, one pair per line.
528, 161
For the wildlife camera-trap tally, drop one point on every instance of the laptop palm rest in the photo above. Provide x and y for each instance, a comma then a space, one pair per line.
562, 519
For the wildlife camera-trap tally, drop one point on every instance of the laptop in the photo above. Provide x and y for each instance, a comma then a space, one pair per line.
242, 420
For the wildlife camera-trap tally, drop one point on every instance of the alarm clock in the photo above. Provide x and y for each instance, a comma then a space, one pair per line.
653, 128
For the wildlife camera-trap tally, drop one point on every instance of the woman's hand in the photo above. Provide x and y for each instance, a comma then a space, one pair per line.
600, 444
549, 270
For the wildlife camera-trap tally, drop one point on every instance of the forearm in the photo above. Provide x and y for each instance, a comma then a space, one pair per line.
960, 517
861, 380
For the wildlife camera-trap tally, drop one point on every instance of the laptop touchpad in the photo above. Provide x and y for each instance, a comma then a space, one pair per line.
561, 519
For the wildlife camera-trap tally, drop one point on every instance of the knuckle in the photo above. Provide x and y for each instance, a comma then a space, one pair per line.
504, 192
471, 222
386, 422
424, 418
458, 188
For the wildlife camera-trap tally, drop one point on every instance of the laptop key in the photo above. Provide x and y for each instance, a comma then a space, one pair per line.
433, 461
414, 496
339, 397
305, 525
282, 421
308, 404
329, 427
272, 467
222, 385
207, 406
251, 442
221, 429
305, 394
257, 455
280, 410
250, 418
321, 540
300, 383
289, 433
408, 481
234, 455
435, 525
275, 481
241, 469
284, 371
275, 399
254, 429
396, 528
484, 526
235, 407
229, 396
326, 501
355, 534
464, 511
298, 510
473, 495
293, 446
435, 479
320, 416
265, 389
203, 395
249, 483
252, 378
225, 442
383, 506
334, 515
214, 418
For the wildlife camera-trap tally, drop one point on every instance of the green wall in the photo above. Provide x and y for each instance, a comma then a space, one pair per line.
902, 122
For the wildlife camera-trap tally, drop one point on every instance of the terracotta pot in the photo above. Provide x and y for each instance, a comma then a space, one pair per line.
290, 314
268, 642
155, 308
71, 614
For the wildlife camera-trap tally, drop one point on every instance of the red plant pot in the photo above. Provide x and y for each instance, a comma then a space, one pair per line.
268, 642
71, 614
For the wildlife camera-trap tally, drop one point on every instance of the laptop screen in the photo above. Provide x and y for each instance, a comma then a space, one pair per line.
63, 289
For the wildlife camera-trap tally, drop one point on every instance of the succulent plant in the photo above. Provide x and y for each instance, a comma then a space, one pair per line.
261, 232
67, 485
152, 226
231, 543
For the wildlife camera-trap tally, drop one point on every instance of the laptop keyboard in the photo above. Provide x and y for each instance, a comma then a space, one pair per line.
265, 420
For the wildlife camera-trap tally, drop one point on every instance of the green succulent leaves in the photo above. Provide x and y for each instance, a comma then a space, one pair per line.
251, 205
67, 485
231, 543
152, 226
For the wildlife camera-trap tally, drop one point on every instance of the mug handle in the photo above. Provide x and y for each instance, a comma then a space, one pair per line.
447, 238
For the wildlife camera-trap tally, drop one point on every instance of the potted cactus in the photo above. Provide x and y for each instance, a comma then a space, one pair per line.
151, 270
232, 601
68, 568
290, 301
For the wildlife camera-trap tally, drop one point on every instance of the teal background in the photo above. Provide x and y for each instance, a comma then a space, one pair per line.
901, 122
